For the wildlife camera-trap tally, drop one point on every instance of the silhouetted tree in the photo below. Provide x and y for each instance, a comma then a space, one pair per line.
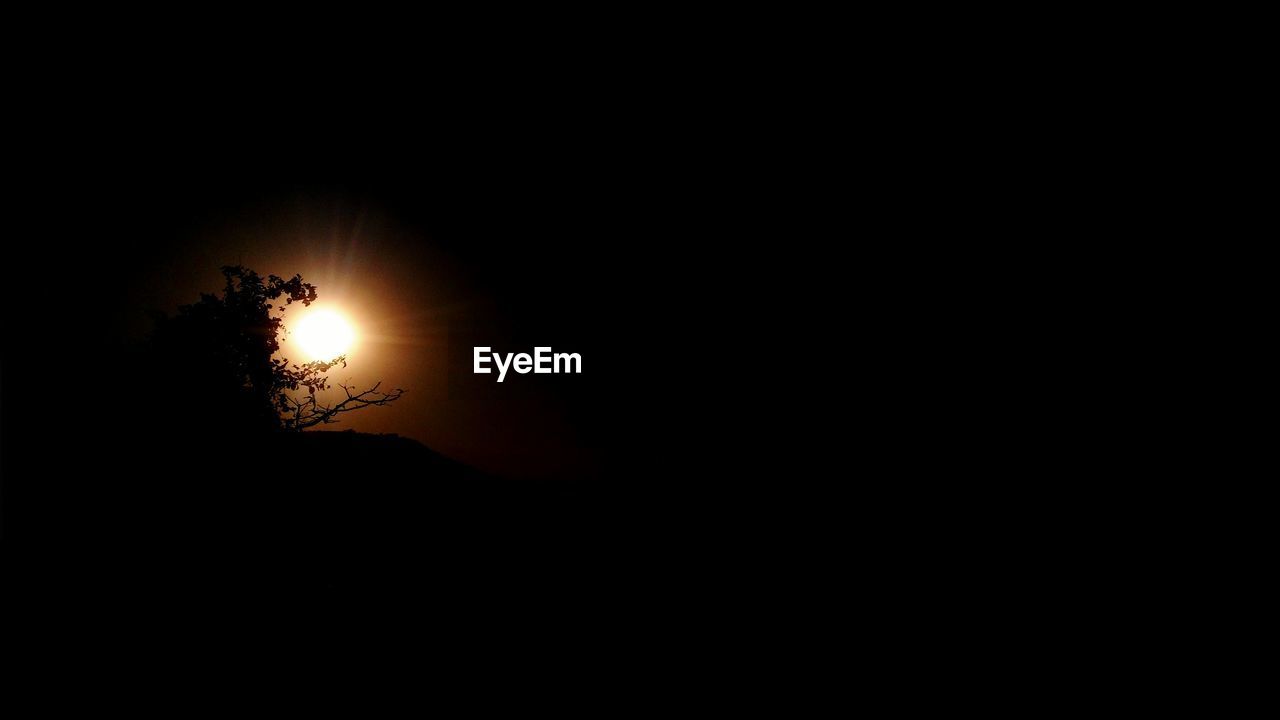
229, 373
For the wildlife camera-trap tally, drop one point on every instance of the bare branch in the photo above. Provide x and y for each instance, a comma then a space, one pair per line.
310, 412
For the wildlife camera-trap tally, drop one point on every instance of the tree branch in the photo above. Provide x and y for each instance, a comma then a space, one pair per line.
309, 412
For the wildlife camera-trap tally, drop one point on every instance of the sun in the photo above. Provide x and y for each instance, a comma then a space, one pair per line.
324, 334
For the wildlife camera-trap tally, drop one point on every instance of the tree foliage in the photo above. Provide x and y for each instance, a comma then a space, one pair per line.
230, 342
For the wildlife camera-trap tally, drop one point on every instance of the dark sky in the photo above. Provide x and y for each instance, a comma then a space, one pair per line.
435, 249
424, 284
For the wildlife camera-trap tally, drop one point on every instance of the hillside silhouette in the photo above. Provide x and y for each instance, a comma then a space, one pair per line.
331, 513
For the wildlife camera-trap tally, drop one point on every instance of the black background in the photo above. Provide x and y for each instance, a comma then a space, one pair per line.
634, 242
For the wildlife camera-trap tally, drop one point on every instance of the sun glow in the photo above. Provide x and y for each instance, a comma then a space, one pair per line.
324, 335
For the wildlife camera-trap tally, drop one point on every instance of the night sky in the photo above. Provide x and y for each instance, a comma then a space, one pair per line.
644, 238
422, 287
763, 259
431, 249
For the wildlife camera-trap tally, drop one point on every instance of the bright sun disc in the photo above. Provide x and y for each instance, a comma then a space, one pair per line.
324, 335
